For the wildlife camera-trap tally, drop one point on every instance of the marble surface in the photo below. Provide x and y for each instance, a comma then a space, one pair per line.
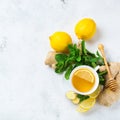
29, 90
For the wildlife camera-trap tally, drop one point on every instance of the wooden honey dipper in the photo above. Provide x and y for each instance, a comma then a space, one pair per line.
112, 84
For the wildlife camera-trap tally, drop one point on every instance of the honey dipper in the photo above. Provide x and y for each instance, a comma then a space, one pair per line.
112, 84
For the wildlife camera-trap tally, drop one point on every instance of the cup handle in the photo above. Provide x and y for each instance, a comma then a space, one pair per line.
97, 67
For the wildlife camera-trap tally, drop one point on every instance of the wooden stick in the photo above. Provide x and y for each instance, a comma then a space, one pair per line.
112, 83
101, 48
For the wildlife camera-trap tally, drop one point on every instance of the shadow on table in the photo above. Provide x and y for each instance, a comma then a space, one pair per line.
96, 37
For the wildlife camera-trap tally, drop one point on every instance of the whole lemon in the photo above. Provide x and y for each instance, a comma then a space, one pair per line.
85, 28
59, 41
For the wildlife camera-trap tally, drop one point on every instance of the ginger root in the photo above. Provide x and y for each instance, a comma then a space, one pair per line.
108, 97
102, 68
50, 59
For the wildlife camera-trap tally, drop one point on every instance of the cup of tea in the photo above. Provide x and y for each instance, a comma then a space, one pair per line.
84, 79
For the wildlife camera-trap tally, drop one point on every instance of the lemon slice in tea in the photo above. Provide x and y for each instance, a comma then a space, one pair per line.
86, 75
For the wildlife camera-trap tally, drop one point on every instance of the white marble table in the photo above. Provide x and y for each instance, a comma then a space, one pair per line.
29, 90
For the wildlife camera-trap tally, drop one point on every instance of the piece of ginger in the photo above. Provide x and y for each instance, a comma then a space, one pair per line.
50, 59
108, 97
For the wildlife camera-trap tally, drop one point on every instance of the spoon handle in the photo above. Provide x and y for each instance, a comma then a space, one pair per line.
101, 48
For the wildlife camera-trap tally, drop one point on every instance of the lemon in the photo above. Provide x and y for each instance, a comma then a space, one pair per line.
59, 41
85, 29
76, 100
80, 109
86, 75
87, 104
96, 92
71, 95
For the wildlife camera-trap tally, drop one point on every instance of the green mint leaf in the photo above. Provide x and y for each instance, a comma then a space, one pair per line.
93, 64
102, 73
98, 54
90, 53
60, 57
94, 59
83, 47
69, 70
82, 97
59, 67
78, 59
101, 80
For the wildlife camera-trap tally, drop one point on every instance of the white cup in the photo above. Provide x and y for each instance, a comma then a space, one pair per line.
93, 70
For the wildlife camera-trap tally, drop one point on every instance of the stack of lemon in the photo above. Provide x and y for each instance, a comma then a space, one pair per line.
86, 104
84, 29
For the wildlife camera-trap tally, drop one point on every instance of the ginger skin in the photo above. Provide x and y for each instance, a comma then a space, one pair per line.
50, 59
108, 97
102, 68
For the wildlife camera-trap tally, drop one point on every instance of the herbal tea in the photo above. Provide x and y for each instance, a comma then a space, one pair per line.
83, 80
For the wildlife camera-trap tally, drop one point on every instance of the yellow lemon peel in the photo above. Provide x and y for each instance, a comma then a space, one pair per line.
59, 41
85, 29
